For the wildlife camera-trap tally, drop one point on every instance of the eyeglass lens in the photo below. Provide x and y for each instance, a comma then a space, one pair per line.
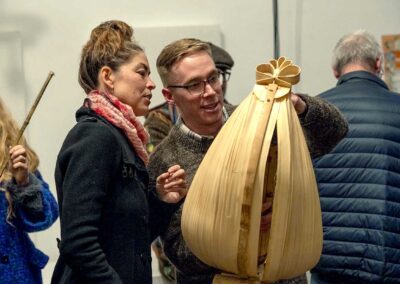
199, 88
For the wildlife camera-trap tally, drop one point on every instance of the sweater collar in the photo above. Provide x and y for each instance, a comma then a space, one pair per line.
186, 130
361, 75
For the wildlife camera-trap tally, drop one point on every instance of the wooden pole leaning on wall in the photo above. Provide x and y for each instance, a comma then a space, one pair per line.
28, 117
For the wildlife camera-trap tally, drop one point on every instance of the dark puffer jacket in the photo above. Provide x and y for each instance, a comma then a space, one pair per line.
359, 184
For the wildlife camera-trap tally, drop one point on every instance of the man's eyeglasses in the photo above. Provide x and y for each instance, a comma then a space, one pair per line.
199, 88
226, 74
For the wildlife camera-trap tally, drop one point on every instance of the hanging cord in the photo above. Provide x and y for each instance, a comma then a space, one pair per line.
10, 210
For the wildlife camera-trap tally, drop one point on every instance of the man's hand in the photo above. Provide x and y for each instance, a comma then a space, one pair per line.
171, 185
299, 105
19, 165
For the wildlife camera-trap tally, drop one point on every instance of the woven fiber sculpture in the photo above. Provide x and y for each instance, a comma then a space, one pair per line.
260, 154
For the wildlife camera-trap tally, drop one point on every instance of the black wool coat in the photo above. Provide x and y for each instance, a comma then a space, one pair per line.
108, 217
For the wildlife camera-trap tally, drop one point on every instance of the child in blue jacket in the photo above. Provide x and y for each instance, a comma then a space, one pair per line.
26, 205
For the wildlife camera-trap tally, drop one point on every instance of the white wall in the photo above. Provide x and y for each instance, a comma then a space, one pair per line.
52, 33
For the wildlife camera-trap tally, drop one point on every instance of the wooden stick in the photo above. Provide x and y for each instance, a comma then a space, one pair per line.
28, 117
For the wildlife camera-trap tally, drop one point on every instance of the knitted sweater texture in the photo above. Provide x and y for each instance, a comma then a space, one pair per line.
323, 126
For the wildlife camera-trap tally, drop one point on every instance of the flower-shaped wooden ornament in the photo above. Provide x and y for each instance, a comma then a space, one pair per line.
281, 72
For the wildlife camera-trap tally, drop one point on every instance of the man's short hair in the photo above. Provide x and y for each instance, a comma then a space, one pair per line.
359, 47
175, 51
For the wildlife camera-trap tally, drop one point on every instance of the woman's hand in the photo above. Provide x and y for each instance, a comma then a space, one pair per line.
171, 185
19, 165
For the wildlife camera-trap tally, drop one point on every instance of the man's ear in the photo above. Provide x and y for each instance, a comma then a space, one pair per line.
167, 96
378, 65
106, 78
336, 73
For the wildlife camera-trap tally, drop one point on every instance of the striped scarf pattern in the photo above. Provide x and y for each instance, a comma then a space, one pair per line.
122, 116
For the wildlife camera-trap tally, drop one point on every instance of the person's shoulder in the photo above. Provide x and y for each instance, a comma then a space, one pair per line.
92, 132
158, 118
94, 127
394, 95
171, 143
327, 93
167, 143
229, 107
161, 108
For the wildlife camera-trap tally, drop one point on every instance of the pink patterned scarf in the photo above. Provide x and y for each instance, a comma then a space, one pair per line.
121, 115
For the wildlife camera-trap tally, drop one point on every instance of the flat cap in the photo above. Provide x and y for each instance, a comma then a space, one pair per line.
223, 60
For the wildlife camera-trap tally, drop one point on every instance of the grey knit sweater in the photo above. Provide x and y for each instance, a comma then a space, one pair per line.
323, 126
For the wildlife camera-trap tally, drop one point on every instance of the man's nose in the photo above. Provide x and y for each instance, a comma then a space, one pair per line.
209, 90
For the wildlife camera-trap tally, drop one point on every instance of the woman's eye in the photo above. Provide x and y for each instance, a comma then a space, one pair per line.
142, 73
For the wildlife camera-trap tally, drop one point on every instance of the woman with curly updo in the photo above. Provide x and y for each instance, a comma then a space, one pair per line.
108, 214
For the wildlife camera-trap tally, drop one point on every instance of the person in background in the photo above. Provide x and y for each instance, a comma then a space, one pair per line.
159, 122
108, 216
359, 181
193, 83
26, 205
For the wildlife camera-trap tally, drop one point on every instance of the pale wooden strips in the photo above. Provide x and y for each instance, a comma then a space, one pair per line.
264, 96
268, 180
226, 192
221, 214
296, 232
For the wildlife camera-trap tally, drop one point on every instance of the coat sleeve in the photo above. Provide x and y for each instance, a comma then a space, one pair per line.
35, 206
175, 246
323, 125
178, 252
160, 212
85, 171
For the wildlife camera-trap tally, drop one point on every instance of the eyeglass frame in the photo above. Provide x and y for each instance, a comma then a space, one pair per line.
226, 74
220, 79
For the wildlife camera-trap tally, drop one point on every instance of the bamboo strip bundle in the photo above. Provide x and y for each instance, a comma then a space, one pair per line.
243, 168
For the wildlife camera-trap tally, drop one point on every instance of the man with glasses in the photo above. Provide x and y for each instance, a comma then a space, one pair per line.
159, 122
193, 83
